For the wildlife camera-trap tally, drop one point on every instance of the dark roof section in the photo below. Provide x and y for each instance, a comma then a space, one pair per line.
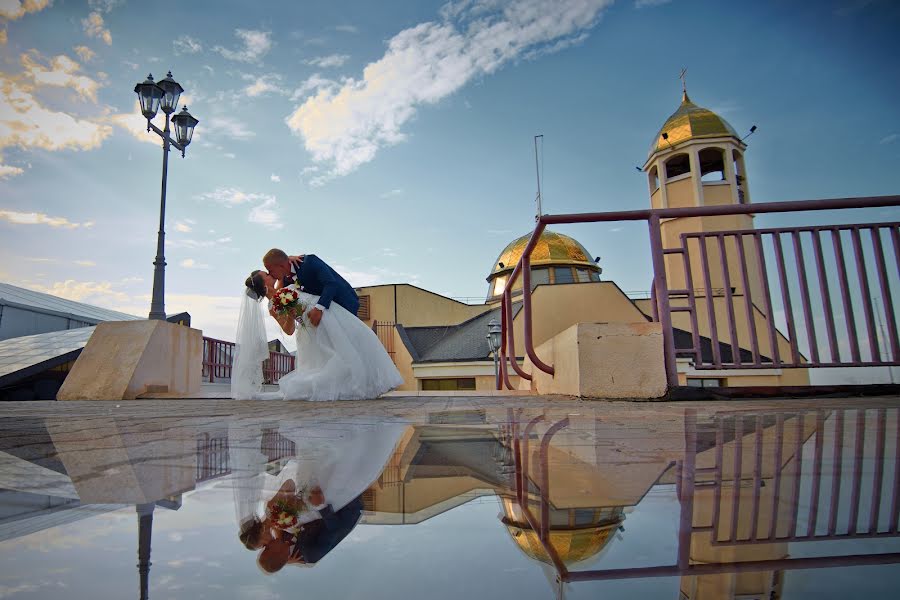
683, 340
12, 295
452, 343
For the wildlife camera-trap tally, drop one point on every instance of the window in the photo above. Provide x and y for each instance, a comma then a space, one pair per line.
563, 275
448, 385
539, 277
712, 164
678, 165
595, 276
705, 382
584, 275
654, 179
364, 312
739, 176
499, 285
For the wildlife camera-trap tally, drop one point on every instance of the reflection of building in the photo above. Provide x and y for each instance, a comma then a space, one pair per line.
696, 159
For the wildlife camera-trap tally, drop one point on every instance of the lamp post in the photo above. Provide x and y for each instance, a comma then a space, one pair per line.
493, 338
154, 96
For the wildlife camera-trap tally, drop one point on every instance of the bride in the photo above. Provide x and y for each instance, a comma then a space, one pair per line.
340, 359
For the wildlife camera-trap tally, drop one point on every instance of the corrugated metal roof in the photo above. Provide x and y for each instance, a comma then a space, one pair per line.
18, 354
45, 303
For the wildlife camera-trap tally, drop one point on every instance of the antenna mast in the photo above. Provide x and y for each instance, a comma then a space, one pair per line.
537, 172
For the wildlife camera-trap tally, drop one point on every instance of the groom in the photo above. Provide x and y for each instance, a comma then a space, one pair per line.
314, 277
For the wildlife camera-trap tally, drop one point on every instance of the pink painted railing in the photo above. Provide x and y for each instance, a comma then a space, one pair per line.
882, 267
218, 356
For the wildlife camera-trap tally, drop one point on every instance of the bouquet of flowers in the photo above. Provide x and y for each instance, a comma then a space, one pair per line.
287, 302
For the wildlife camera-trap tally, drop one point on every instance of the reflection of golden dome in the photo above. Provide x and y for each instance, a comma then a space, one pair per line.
572, 545
689, 122
552, 248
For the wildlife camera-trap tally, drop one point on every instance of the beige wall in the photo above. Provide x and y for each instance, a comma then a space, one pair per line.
415, 307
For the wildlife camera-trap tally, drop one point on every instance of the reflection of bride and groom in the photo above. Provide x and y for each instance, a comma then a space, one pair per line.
297, 514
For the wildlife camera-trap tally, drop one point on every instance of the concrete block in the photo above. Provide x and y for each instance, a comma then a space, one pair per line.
124, 359
604, 360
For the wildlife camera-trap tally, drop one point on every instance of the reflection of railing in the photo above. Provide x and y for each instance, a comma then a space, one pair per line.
691, 481
828, 517
275, 446
885, 266
212, 457
218, 356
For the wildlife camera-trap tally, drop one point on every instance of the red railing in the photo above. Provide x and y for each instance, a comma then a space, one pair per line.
885, 266
218, 356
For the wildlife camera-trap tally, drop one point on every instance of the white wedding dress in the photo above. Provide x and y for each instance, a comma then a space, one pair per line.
341, 359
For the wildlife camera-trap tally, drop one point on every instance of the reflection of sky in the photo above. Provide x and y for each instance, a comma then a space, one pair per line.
462, 553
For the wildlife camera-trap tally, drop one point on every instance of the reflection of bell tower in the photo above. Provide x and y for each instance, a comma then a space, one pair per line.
697, 159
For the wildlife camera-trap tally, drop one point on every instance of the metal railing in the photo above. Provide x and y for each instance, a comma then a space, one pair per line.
385, 332
212, 457
884, 264
218, 357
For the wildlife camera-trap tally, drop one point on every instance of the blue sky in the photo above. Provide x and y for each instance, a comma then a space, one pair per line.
394, 139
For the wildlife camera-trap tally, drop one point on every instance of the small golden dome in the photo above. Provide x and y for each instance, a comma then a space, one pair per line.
572, 546
690, 122
552, 248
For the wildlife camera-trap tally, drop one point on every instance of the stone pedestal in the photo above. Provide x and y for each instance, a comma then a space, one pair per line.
124, 359
603, 360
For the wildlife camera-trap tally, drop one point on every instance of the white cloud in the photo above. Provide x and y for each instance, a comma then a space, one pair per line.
15, 9
193, 244
314, 83
393, 193
374, 276
255, 45
101, 292
84, 53
85, 263
275, 178
182, 227
187, 45
229, 127
4, 37
328, 62
61, 72
105, 5
347, 28
888, 139
26, 123
190, 263
233, 196
134, 123
647, 3
34, 218
7, 171
94, 27
263, 84
230, 155
344, 127
267, 214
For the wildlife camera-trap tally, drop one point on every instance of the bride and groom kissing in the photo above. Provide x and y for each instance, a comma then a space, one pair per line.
338, 357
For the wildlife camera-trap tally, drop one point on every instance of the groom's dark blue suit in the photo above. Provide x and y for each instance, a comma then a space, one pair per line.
319, 279
320, 537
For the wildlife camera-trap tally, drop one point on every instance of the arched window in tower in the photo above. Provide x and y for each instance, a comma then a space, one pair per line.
712, 164
654, 179
740, 176
678, 165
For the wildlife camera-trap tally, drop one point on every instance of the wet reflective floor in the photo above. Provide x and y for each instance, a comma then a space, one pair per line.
449, 498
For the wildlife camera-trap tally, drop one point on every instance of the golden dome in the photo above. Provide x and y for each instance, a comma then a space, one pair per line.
552, 248
690, 122
572, 545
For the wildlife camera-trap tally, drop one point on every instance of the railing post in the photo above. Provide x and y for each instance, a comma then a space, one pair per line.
526, 309
661, 288
508, 333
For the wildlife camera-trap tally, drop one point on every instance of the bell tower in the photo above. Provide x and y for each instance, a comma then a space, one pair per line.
697, 159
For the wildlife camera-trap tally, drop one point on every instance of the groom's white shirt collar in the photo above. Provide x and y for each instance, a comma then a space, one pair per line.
297, 279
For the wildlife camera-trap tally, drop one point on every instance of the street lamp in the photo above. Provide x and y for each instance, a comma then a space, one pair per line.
154, 96
493, 337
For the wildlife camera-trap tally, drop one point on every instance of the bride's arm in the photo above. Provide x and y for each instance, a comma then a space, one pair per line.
285, 321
